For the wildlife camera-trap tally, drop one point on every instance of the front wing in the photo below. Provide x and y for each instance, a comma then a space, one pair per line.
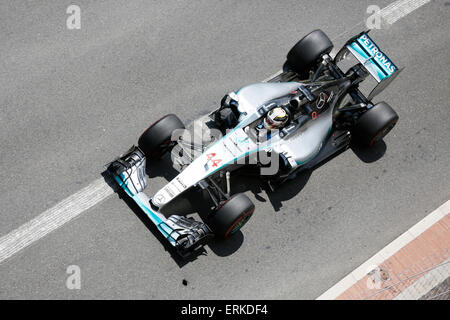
185, 234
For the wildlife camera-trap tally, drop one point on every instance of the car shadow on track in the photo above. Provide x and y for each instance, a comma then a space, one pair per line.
195, 201
161, 168
293, 187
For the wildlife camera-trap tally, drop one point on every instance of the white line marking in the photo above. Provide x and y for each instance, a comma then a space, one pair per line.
53, 218
427, 282
415, 231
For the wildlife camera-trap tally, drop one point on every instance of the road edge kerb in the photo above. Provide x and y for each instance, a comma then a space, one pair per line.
385, 253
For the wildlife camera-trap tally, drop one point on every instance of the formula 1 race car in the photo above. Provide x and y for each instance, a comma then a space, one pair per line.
305, 115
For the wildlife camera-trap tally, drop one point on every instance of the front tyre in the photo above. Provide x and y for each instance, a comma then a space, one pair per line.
155, 141
304, 56
232, 215
375, 124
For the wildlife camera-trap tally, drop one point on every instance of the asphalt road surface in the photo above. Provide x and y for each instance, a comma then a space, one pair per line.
72, 100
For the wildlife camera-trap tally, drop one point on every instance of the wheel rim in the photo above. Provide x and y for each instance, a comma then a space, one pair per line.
239, 223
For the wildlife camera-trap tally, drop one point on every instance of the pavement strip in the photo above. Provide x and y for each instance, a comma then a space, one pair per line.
407, 268
99, 190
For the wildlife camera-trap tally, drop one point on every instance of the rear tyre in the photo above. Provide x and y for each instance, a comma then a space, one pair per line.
232, 215
375, 124
304, 56
155, 141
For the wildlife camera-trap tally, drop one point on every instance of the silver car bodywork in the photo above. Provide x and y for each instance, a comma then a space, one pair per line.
254, 101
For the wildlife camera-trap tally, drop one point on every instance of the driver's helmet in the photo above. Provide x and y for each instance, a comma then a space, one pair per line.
276, 118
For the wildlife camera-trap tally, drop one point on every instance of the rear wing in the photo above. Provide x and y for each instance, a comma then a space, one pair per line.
375, 61
371, 57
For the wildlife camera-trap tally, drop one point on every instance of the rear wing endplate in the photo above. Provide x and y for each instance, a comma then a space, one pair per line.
375, 61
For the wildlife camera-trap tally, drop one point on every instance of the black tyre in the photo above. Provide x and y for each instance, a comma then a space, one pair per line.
375, 124
232, 215
155, 140
304, 55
